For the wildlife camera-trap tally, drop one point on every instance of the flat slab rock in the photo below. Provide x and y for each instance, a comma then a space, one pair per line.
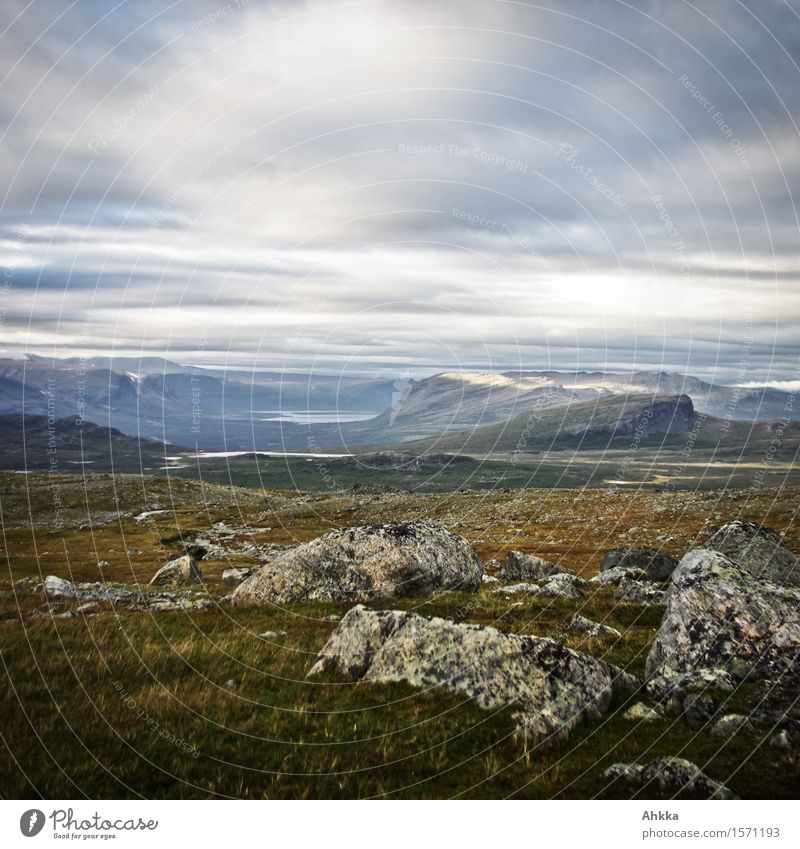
131, 597
364, 562
554, 688
668, 777
719, 617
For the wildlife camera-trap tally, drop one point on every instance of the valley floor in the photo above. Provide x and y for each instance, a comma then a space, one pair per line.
217, 703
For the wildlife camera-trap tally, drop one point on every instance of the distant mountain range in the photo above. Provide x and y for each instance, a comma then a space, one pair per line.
246, 411
40, 443
620, 422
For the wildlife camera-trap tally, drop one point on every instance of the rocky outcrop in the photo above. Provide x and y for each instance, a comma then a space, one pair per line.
757, 550
718, 617
528, 567
365, 562
668, 777
182, 570
657, 565
553, 687
130, 597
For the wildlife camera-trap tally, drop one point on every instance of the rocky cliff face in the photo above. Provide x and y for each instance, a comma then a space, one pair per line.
673, 414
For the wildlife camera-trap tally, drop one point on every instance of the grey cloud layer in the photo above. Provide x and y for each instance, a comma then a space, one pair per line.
478, 183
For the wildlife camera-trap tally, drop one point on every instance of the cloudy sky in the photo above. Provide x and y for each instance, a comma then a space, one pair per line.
388, 185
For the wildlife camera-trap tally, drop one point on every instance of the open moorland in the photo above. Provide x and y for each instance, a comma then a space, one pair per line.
196, 697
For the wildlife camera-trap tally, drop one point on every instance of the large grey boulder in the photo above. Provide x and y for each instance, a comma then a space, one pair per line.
758, 550
181, 570
553, 687
528, 567
657, 565
668, 777
365, 562
719, 617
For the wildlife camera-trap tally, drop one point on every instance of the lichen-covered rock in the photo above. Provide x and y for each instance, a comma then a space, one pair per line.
718, 616
236, 574
781, 741
182, 570
522, 587
657, 565
641, 712
679, 685
698, 710
730, 724
640, 592
670, 777
757, 550
133, 598
366, 562
563, 585
619, 573
55, 587
553, 687
590, 628
528, 567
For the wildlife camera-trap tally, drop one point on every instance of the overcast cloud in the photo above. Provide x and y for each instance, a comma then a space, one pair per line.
387, 185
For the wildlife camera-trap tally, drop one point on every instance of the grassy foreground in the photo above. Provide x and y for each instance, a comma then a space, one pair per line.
138, 704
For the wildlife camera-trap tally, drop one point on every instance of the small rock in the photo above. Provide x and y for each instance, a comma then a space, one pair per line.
103, 564
639, 592
272, 635
729, 725
564, 585
693, 681
231, 684
641, 712
669, 777
236, 575
490, 579
618, 573
698, 709
182, 570
58, 588
528, 567
591, 628
512, 589
781, 741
